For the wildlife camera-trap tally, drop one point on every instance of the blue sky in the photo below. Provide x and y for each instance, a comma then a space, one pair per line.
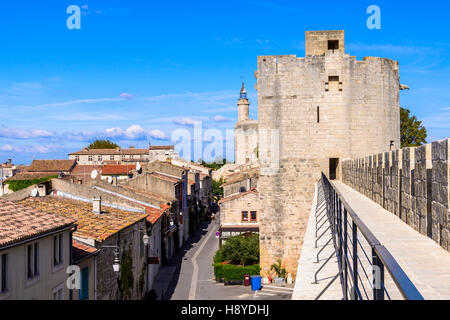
138, 70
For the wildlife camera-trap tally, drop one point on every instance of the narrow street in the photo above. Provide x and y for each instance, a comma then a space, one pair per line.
190, 274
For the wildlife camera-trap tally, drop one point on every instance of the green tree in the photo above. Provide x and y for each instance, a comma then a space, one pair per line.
413, 133
241, 250
217, 164
103, 144
217, 187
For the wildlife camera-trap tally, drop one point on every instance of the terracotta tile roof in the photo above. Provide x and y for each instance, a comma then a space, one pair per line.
22, 168
94, 226
30, 175
19, 222
118, 169
161, 147
254, 191
51, 165
81, 250
132, 151
155, 214
85, 169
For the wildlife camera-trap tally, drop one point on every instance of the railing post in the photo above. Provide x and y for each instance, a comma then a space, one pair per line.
378, 276
355, 260
344, 262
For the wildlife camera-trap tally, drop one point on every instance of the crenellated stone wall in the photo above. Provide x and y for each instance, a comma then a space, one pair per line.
412, 183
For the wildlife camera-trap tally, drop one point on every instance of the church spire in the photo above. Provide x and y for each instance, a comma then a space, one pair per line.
243, 105
243, 94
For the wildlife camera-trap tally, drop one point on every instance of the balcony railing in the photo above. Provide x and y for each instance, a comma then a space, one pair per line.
358, 252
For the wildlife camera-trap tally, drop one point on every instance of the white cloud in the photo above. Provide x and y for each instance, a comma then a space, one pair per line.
6, 147
219, 118
157, 134
13, 133
67, 103
135, 132
185, 121
126, 96
29, 149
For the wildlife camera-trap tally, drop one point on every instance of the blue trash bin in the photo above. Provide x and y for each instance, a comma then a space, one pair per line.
256, 282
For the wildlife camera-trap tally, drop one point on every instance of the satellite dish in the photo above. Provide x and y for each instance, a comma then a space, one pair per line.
94, 174
110, 179
34, 192
138, 166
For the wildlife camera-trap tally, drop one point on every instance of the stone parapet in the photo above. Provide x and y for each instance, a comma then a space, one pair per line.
412, 183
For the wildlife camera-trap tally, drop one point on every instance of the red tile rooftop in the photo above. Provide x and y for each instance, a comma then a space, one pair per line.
155, 214
162, 147
85, 169
18, 222
51, 165
81, 250
94, 226
118, 169
30, 176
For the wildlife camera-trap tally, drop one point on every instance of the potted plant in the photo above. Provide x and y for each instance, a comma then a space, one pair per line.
280, 272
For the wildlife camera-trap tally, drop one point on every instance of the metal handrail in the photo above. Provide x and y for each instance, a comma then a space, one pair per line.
339, 212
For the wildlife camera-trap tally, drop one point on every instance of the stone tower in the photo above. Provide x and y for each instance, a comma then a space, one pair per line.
246, 132
324, 108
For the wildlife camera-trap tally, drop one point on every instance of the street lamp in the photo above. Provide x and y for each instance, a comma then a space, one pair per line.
145, 238
116, 267
116, 264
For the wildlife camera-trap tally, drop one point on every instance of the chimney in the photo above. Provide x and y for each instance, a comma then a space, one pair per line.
42, 190
97, 205
114, 182
249, 184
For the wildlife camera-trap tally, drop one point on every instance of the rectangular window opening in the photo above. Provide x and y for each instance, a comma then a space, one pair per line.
333, 78
4, 273
244, 215
32, 260
318, 114
333, 44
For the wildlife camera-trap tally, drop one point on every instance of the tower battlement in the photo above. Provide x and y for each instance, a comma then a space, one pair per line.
326, 107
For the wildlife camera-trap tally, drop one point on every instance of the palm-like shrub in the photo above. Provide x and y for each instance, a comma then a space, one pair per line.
281, 272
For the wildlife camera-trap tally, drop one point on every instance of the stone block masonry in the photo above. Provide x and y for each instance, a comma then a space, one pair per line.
324, 107
414, 185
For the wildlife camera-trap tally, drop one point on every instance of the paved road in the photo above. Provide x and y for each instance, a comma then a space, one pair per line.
191, 276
